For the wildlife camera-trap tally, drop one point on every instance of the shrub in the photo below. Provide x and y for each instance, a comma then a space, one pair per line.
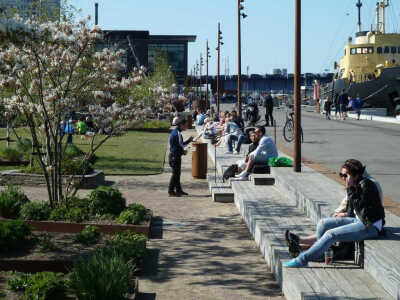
101, 277
45, 286
37, 211
18, 283
11, 200
73, 151
13, 233
45, 243
130, 245
11, 154
76, 167
73, 214
106, 200
90, 235
24, 145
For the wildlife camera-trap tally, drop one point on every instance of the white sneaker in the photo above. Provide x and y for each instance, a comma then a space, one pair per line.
242, 178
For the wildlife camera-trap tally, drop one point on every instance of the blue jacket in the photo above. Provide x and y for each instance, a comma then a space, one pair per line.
176, 144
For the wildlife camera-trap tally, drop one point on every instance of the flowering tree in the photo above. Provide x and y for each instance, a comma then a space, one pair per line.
52, 69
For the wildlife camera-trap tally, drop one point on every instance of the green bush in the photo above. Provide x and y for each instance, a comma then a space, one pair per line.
46, 244
37, 211
101, 277
45, 286
73, 151
18, 283
90, 235
11, 154
11, 200
134, 214
130, 245
68, 167
72, 214
13, 233
25, 146
106, 200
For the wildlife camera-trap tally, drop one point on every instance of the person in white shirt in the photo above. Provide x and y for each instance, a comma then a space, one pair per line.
265, 150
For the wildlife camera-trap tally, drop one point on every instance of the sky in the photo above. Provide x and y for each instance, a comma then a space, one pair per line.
267, 33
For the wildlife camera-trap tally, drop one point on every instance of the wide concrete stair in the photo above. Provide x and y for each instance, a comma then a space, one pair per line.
297, 202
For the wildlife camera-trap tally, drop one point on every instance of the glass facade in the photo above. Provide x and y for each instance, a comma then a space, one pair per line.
27, 7
176, 56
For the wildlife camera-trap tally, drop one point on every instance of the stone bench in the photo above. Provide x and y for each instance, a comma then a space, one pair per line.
262, 179
318, 196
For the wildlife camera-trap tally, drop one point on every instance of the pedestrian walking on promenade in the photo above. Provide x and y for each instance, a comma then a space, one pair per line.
357, 105
343, 101
327, 108
269, 109
336, 103
175, 158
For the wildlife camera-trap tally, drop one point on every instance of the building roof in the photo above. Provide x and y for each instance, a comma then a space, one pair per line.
183, 38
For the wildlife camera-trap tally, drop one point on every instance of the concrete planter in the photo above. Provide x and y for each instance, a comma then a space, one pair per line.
15, 177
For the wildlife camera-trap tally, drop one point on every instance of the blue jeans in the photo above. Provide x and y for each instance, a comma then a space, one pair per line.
332, 230
232, 138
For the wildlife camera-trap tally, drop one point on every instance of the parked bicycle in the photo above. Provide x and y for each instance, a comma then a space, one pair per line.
288, 129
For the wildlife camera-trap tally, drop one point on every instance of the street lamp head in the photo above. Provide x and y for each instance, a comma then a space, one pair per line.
222, 43
241, 1
241, 7
244, 15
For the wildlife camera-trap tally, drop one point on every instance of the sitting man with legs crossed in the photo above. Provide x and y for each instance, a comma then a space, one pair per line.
265, 150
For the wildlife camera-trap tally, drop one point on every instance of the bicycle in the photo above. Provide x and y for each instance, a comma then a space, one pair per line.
288, 129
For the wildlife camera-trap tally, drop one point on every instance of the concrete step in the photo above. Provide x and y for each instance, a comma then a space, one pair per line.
262, 179
318, 196
268, 214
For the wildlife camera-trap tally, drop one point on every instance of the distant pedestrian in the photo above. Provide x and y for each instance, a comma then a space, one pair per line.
175, 158
69, 130
336, 103
327, 108
342, 101
357, 105
269, 109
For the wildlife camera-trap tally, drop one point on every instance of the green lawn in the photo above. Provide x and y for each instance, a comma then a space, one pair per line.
134, 153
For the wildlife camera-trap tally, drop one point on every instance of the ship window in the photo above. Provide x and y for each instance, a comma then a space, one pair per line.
379, 50
387, 50
398, 50
353, 51
365, 50
359, 50
394, 50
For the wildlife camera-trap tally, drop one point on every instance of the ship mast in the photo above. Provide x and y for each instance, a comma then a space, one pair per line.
383, 6
359, 5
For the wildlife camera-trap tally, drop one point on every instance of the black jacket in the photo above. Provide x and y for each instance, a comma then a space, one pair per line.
365, 200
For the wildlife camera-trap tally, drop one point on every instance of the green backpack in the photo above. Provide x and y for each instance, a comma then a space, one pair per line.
280, 162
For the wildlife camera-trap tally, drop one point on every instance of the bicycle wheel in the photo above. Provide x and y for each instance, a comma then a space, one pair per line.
288, 131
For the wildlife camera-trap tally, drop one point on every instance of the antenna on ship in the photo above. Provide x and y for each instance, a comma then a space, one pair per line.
359, 5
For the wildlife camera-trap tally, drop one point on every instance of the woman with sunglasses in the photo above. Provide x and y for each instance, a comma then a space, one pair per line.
364, 219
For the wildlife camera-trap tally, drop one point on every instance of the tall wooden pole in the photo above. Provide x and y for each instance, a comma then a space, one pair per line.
201, 92
218, 64
208, 55
239, 78
297, 96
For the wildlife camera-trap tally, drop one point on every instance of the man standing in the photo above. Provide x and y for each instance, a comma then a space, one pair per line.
343, 101
269, 109
265, 150
175, 158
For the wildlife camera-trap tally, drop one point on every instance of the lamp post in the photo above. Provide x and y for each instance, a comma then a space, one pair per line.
220, 43
197, 83
297, 95
207, 57
201, 92
239, 81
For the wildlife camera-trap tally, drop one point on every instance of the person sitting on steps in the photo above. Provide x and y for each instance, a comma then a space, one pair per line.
364, 219
265, 150
253, 146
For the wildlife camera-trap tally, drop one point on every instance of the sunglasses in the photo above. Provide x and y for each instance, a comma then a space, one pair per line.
343, 175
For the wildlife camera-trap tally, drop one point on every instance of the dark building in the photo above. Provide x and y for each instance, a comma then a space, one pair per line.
141, 48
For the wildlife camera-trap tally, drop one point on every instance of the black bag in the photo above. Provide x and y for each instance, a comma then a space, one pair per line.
230, 172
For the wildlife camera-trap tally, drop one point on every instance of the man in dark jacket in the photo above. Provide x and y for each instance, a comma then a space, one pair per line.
175, 158
269, 109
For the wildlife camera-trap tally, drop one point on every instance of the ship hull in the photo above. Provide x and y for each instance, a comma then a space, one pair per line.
383, 92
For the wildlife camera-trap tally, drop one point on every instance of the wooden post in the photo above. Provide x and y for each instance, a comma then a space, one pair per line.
297, 95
